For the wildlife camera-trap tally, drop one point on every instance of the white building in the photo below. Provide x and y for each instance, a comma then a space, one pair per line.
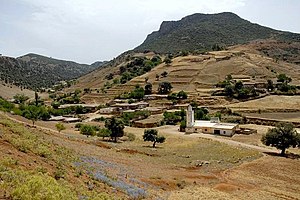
214, 126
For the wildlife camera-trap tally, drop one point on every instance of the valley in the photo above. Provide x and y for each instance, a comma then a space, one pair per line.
206, 107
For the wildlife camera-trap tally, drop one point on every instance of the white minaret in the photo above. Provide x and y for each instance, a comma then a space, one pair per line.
190, 120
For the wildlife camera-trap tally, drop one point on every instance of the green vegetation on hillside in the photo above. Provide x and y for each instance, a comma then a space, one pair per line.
35, 71
208, 31
44, 171
138, 66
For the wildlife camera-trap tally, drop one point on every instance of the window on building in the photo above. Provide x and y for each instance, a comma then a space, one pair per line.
205, 129
224, 131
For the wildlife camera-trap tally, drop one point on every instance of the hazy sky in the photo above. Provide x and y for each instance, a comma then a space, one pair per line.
89, 30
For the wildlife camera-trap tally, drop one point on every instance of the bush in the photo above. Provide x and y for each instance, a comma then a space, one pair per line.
5, 105
131, 136
78, 125
100, 119
87, 130
20, 98
171, 118
182, 126
60, 127
24, 185
104, 132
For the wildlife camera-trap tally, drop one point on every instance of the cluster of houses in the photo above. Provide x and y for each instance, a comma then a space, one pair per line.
117, 106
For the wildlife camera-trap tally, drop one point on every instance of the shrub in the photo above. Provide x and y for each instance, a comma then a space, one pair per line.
104, 132
131, 136
87, 130
60, 127
78, 125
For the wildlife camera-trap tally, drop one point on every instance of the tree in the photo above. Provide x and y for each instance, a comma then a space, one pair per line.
156, 59
228, 77
229, 90
60, 127
109, 76
238, 85
55, 104
148, 88
168, 60
283, 78
283, 136
87, 130
20, 98
116, 126
137, 93
32, 112
182, 126
122, 69
270, 85
201, 114
182, 95
151, 136
36, 99
164, 87
172, 118
164, 74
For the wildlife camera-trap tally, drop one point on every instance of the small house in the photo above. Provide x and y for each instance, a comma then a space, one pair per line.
213, 126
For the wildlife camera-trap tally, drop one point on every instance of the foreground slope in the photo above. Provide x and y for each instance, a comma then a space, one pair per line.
202, 31
128, 169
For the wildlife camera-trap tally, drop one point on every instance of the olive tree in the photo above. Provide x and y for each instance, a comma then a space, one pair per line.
116, 126
283, 136
151, 135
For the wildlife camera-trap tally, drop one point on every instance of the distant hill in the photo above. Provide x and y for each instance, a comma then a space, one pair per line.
202, 31
35, 71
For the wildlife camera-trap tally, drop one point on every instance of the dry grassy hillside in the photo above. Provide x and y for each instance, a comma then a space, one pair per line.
8, 91
196, 74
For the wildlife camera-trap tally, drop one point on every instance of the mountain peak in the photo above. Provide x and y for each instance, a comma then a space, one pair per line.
201, 31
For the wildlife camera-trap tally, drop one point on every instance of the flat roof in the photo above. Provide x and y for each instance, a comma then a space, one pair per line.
208, 124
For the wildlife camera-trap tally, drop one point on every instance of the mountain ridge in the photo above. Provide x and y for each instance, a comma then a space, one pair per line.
201, 31
34, 71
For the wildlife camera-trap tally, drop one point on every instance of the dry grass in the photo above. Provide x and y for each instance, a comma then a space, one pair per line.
286, 116
170, 171
8, 91
266, 178
270, 102
191, 73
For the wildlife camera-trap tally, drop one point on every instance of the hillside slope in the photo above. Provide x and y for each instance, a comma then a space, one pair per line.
196, 74
202, 31
35, 71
